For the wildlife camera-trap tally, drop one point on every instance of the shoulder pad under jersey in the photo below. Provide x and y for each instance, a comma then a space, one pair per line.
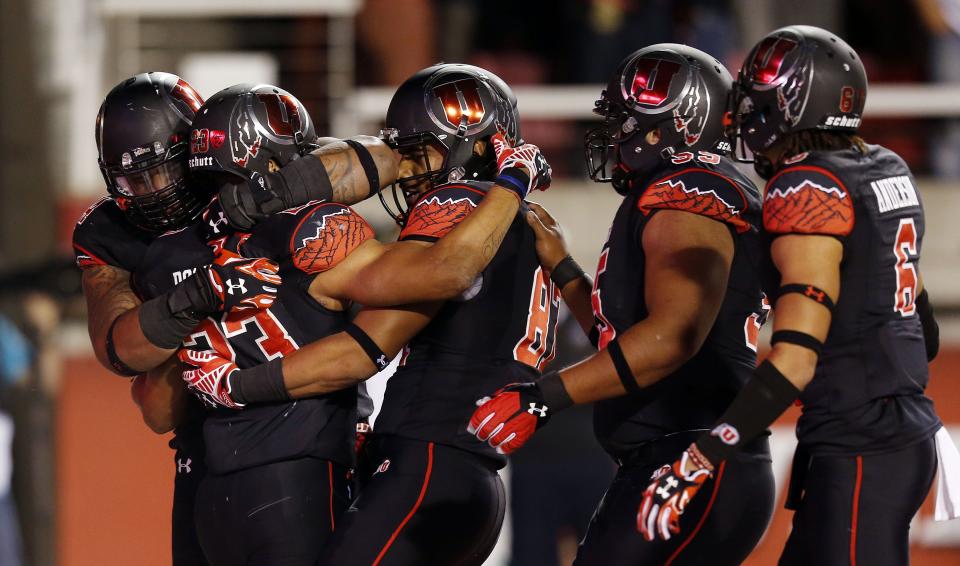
699, 190
324, 234
439, 210
807, 199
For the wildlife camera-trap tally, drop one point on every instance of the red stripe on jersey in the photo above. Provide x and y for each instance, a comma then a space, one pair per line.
330, 479
90, 259
808, 207
423, 492
674, 194
333, 237
703, 518
435, 215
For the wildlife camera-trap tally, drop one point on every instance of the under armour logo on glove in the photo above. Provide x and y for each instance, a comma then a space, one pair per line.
522, 168
229, 276
508, 420
240, 286
210, 378
539, 411
668, 495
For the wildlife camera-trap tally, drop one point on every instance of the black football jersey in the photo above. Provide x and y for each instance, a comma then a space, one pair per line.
697, 393
868, 389
501, 330
303, 241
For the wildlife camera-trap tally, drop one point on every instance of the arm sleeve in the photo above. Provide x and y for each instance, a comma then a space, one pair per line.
439, 211
807, 200
698, 191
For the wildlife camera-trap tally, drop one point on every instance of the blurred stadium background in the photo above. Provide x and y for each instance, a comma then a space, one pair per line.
91, 485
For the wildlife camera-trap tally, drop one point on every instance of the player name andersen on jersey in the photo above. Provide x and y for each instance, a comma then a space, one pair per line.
894, 193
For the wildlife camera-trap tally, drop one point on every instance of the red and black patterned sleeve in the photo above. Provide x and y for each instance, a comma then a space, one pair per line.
698, 191
325, 234
438, 211
103, 236
807, 200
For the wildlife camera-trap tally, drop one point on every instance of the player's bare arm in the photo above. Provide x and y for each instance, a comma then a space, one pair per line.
688, 259
416, 271
161, 395
329, 364
111, 301
575, 285
804, 260
346, 171
687, 266
339, 361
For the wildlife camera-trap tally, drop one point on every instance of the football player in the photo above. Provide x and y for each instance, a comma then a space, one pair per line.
137, 311
674, 312
846, 228
434, 495
277, 471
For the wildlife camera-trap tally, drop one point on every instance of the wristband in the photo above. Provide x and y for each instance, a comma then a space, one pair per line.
764, 398
514, 179
301, 181
566, 271
161, 327
118, 365
555, 395
259, 384
368, 164
623, 368
376, 355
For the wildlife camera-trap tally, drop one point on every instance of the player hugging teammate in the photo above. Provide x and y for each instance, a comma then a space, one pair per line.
253, 288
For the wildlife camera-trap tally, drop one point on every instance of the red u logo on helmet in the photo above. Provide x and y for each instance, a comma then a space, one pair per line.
283, 115
766, 63
651, 81
461, 100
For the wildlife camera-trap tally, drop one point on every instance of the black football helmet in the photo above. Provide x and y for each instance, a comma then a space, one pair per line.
675, 90
241, 128
796, 78
450, 106
142, 140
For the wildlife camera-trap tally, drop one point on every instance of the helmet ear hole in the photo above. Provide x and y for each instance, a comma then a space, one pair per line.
653, 136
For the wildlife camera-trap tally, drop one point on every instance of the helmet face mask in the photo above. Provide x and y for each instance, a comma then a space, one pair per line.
662, 99
141, 132
447, 108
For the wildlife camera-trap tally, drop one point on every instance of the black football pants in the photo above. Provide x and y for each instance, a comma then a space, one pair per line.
423, 504
278, 514
856, 509
190, 471
720, 526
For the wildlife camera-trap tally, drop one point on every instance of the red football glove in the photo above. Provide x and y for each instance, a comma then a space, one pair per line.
669, 493
536, 172
240, 283
210, 378
508, 420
